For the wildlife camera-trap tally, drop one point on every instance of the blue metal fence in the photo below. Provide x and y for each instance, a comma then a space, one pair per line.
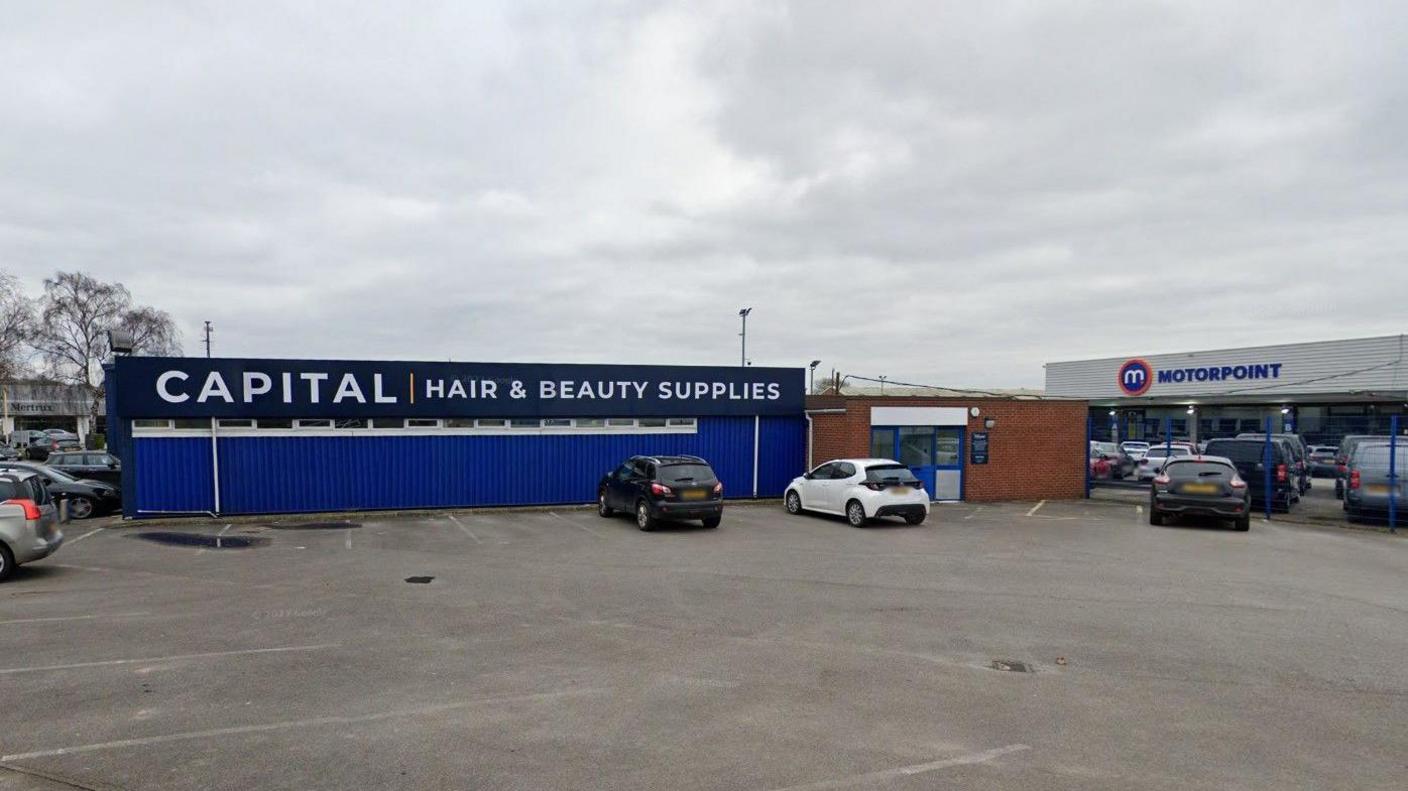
286, 474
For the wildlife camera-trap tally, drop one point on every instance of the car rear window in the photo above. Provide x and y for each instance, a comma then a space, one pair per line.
11, 490
1244, 450
686, 473
881, 473
1376, 456
1211, 470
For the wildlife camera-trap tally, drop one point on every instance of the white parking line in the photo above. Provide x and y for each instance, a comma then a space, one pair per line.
348, 532
201, 551
574, 524
466, 530
975, 513
287, 724
85, 535
178, 657
76, 618
871, 778
1036, 508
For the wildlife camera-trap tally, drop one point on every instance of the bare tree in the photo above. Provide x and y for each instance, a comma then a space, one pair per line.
75, 314
16, 328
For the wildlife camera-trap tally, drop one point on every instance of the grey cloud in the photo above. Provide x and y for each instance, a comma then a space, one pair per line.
942, 192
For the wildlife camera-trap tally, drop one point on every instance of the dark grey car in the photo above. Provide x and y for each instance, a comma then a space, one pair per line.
94, 465
1369, 488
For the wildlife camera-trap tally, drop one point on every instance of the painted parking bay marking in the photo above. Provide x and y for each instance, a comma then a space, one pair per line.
175, 658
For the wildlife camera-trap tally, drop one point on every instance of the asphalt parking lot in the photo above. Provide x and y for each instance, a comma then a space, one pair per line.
558, 650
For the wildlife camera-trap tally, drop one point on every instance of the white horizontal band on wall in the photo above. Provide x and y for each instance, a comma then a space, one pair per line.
918, 416
579, 427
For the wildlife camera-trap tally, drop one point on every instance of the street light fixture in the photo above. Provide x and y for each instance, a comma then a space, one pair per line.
811, 376
743, 351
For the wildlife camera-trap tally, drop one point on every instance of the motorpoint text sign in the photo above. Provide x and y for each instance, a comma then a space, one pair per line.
174, 387
1135, 377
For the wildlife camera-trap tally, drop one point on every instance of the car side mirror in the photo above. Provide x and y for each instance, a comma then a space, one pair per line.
807, 476
112, 465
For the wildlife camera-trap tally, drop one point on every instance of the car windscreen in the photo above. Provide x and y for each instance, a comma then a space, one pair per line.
1135, 445
882, 473
686, 473
1209, 470
1166, 451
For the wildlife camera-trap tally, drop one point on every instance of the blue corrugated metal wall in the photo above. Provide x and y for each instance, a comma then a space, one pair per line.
289, 474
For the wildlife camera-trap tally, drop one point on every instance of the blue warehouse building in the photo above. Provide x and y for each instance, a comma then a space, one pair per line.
250, 436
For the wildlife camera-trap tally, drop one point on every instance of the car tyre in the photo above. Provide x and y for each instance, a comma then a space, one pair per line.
855, 513
1244, 523
602, 509
644, 520
1155, 518
7, 563
712, 522
794, 503
915, 519
81, 508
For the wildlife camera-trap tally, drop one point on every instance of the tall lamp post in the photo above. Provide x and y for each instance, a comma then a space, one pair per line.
743, 351
811, 376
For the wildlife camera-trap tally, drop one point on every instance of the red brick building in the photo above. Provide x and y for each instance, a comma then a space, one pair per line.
1035, 448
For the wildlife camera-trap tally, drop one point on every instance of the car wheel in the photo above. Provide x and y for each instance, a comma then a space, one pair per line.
915, 519
644, 520
1244, 523
80, 508
794, 503
1155, 518
855, 513
602, 509
7, 563
712, 522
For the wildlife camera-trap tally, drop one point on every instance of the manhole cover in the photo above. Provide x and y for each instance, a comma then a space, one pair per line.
419, 580
202, 541
313, 525
1010, 666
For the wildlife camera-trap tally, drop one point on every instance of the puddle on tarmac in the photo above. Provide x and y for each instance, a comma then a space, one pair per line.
419, 580
201, 541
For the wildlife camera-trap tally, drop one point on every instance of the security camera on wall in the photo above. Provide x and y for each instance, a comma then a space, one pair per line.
120, 341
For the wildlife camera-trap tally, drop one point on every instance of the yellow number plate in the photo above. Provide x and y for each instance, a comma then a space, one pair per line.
1377, 489
1200, 488
694, 494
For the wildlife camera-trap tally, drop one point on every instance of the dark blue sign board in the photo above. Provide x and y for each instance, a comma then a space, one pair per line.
979, 445
187, 387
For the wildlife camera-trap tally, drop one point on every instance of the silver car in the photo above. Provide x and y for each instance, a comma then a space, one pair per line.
1369, 488
1135, 449
1153, 462
29, 521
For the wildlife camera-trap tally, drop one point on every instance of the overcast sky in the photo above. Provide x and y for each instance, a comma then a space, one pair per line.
948, 193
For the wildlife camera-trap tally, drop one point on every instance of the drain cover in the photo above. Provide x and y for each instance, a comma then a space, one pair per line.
419, 580
1010, 666
312, 525
202, 541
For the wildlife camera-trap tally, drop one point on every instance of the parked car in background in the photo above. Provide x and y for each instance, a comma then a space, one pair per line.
1248, 456
86, 498
37, 445
860, 490
1368, 487
655, 488
1200, 486
1100, 466
93, 465
1322, 461
1121, 465
1153, 462
8, 453
29, 522
65, 437
1134, 449
1300, 457
1346, 449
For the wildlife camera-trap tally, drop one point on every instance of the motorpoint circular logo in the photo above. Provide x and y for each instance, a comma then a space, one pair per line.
1135, 377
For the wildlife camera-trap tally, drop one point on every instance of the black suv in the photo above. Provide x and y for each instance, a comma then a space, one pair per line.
94, 465
1248, 456
663, 487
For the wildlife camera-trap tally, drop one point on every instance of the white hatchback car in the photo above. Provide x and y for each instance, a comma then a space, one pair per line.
860, 489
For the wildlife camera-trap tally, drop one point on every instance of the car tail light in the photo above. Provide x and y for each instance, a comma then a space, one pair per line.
1342, 467
874, 486
1280, 473
660, 490
1354, 480
719, 488
1161, 479
31, 509
1237, 483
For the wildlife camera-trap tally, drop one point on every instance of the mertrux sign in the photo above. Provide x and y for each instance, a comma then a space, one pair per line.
172, 387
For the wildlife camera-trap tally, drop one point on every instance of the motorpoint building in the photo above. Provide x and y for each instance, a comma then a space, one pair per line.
1322, 390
